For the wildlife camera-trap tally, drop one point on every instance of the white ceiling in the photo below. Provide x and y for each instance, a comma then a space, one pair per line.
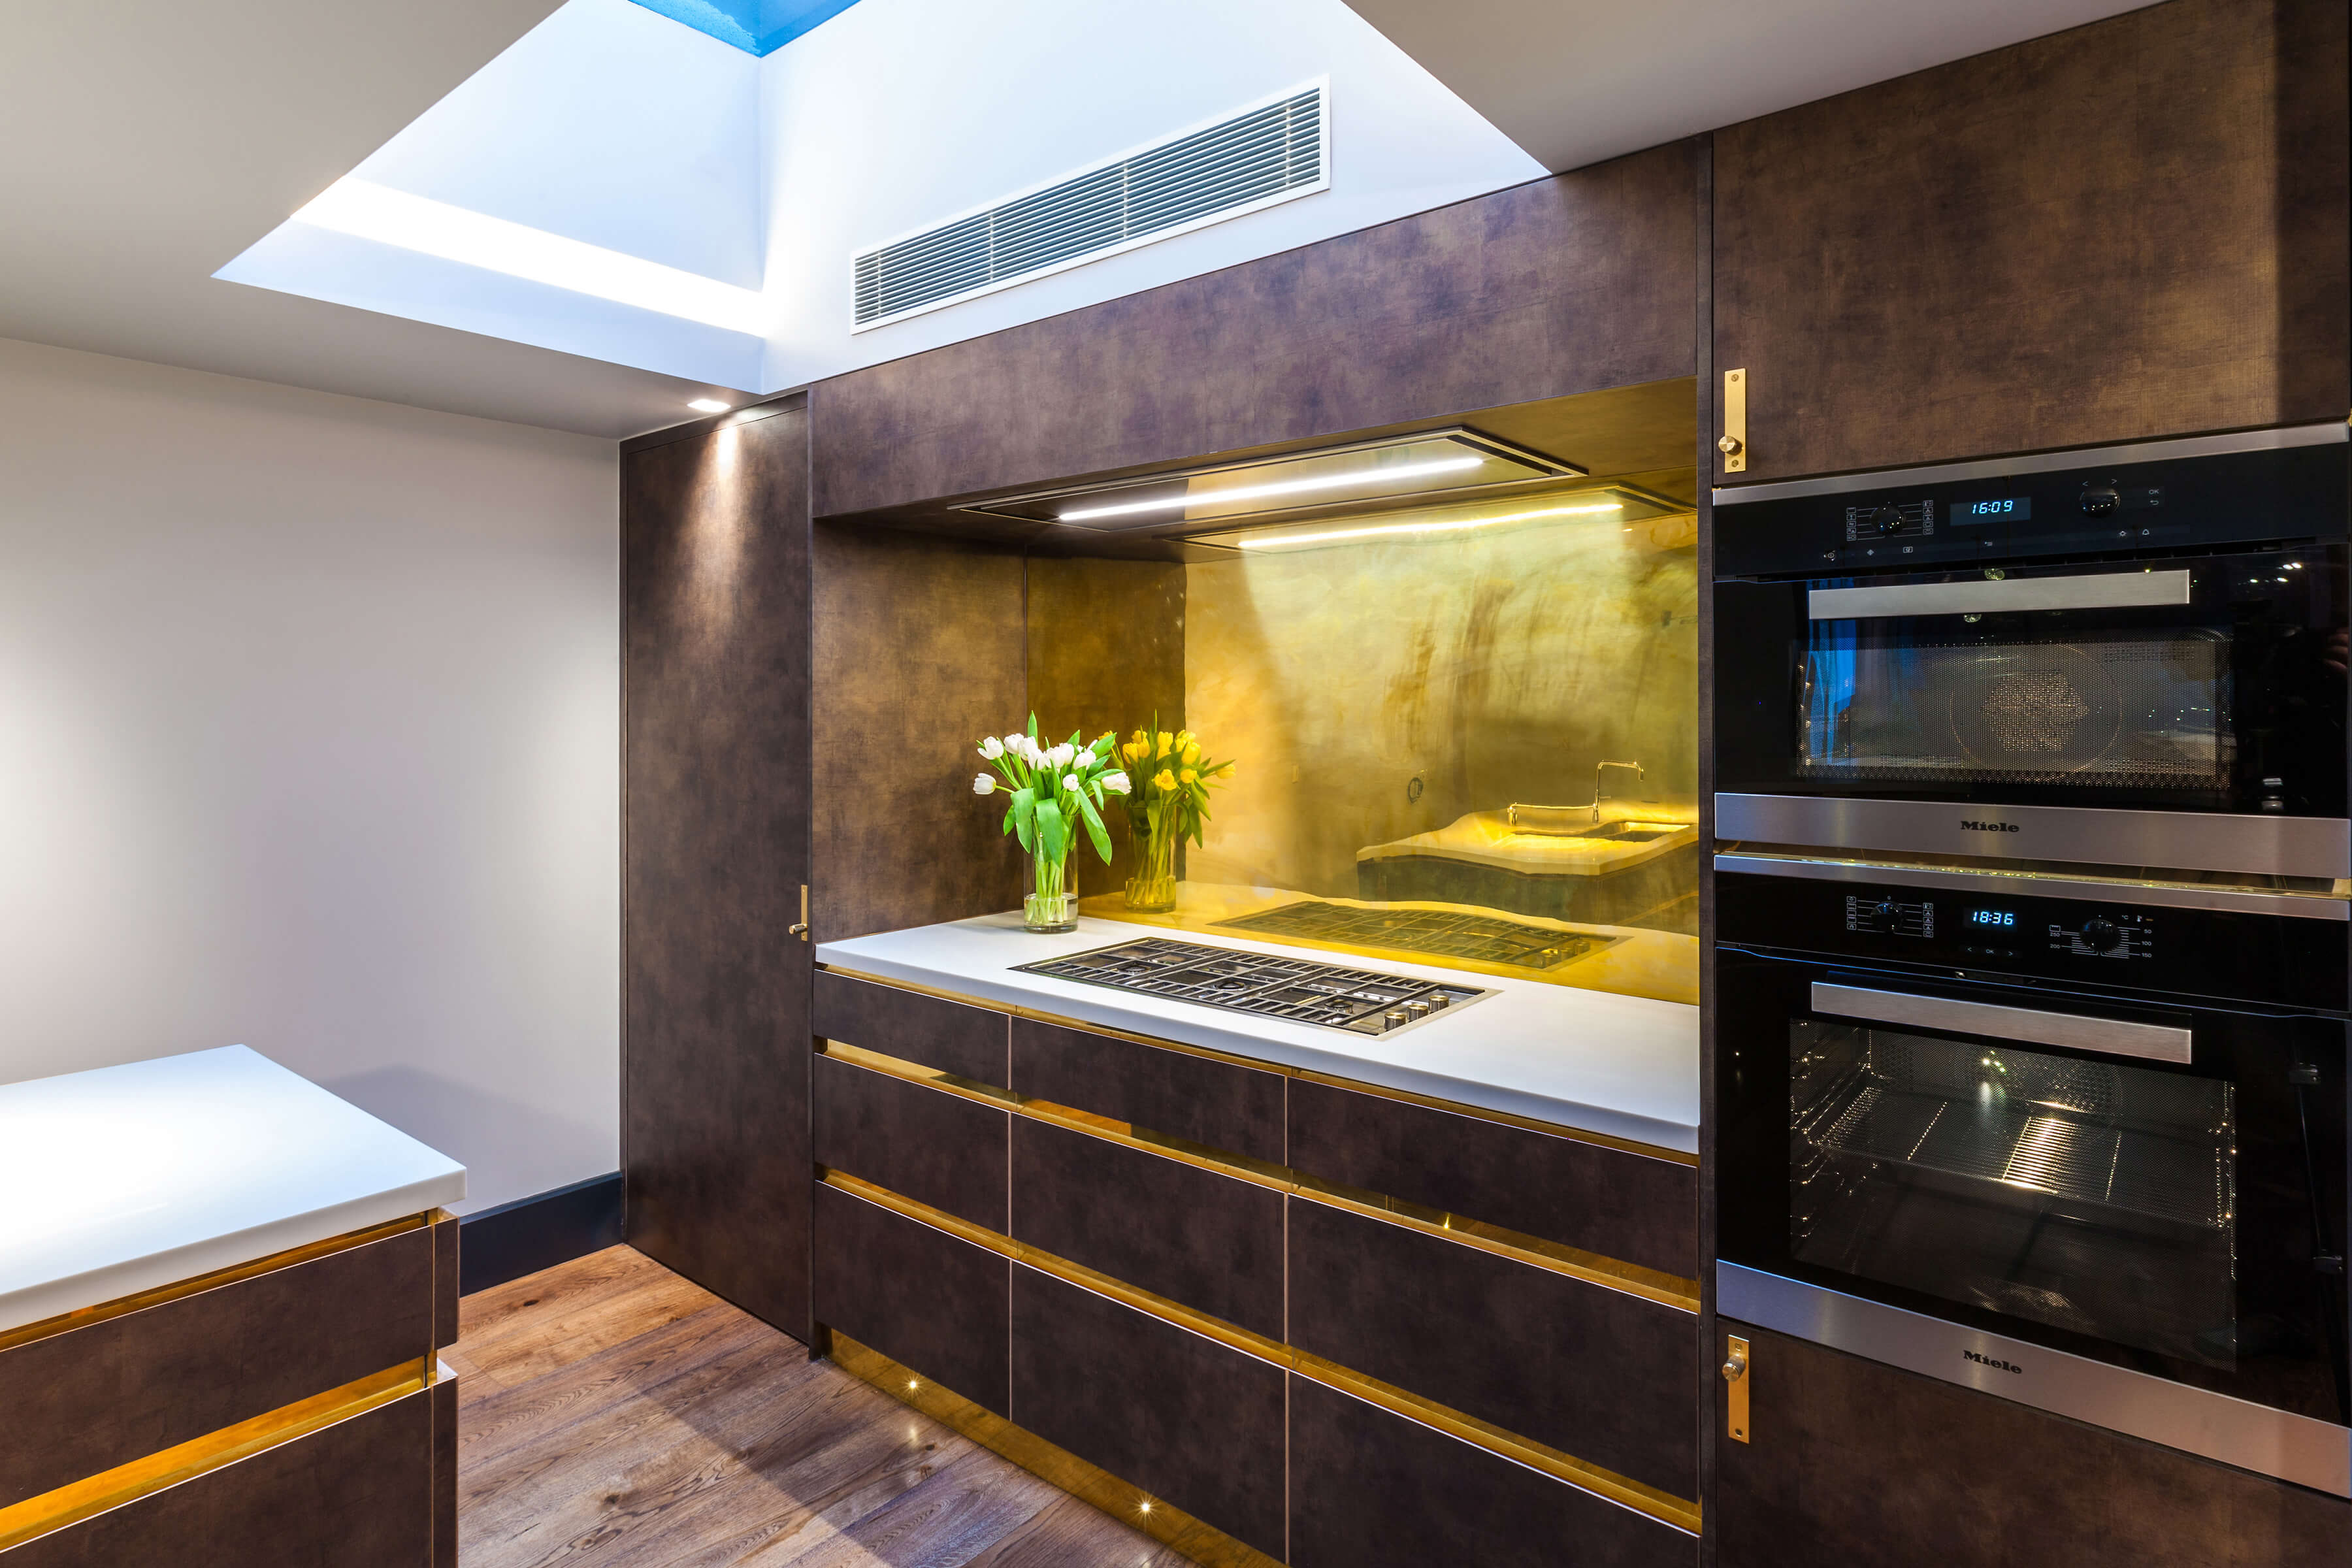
1575, 81
145, 143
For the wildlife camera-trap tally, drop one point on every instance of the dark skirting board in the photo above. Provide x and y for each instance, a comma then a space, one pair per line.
513, 1239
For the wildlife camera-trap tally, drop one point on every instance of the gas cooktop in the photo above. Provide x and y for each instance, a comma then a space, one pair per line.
1297, 990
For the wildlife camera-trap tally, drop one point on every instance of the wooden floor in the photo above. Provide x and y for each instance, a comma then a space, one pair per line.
611, 1414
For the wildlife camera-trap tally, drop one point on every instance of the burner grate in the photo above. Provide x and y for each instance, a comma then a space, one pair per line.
1296, 990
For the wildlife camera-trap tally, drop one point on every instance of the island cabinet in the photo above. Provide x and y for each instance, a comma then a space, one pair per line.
1162, 1274
2131, 229
1849, 1460
290, 1410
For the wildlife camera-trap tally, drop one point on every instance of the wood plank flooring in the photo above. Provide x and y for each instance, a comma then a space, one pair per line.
611, 1415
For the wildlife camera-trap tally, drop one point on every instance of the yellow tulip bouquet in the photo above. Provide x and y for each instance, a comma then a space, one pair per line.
1169, 802
1056, 793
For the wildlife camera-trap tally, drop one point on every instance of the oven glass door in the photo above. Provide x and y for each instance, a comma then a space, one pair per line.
1941, 1149
2214, 684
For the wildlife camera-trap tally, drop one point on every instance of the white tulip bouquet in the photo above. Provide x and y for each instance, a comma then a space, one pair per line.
1055, 792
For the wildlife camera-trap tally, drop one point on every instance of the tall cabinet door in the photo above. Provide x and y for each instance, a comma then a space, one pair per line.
715, 1012
2132, 230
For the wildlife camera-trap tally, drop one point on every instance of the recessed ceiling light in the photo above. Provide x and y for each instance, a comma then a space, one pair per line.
709, 406
378, 213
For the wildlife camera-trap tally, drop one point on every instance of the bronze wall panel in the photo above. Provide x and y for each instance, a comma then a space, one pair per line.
1602, 1375
934, 1147
715, 996
1219, 1104
1621, 1205
950, 1036
1210, 1241
1181, 1417
1850, 1461
2131, 229
1563, 285
921, 1297
358, 1494
83, 1402
1371, 1489
919, 653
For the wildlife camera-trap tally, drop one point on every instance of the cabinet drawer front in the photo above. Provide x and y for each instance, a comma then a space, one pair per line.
925, 1299
935, 1147
1181, 1417
1636, 1207
1604, 1376
84, 1401
1212, 1242
356, 1494
1220, 1104
969, 1042
1371, 1489
1851, 1461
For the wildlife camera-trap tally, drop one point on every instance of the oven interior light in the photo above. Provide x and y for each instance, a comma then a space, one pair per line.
1365, 476
1456, 525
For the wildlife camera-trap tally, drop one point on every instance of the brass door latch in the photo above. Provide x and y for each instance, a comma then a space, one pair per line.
800, 928
1733, 442
1735, 1398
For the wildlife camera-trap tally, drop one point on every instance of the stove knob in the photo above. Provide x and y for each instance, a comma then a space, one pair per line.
1439, 998
2103, 936
1394, 1017
1418, 1009
2100, 501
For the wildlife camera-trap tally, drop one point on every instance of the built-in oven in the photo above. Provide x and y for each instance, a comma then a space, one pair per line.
2080, 1145
2132, 657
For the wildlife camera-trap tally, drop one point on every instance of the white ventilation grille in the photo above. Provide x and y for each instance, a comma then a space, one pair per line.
1256, 158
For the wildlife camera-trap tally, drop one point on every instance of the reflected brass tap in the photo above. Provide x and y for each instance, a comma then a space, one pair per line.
1639, 776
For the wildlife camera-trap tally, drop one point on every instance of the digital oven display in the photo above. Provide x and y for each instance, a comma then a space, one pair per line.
1997, 510
2006, 918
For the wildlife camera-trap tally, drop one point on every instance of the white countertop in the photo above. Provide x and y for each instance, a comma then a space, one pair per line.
126, 1178
1626, 1066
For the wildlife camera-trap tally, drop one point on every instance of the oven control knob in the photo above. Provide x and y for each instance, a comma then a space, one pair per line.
1882, 915
2100, 501
2102, 936
1884, 521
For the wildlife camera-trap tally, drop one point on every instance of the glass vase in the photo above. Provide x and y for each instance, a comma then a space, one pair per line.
1053, 901
1154, 890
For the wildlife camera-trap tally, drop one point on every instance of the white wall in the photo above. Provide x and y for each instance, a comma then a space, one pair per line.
309, 737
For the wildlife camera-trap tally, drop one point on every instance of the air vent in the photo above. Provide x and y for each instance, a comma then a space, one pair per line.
1255, 159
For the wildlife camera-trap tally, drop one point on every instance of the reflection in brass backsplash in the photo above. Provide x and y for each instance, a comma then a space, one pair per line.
1393, 697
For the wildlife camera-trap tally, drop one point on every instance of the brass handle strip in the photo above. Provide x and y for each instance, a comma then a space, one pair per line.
1733, 442
76, 1500
800, 928
1663, 1506
1590, 1268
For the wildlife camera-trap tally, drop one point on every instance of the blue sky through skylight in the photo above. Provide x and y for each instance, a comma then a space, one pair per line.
757, 27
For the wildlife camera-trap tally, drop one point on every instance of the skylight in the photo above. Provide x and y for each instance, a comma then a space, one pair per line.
755, 27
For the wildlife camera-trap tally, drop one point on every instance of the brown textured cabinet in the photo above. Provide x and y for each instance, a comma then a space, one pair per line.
1221, 1105
921, 1297
715, 849
930, 1144
1182, 1417
1599, 1374
2131, 229
1850, 1462
1638, 1208
1371, 1489
1205, 1239
931, 1031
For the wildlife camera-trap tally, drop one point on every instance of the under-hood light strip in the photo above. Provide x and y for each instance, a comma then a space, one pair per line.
1332, 535
1277, 488
368, 211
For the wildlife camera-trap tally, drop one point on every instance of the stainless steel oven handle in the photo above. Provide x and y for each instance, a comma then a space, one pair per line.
2110, 1036
1988, 596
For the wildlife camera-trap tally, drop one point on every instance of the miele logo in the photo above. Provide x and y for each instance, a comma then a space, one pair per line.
1996, 1365
1988, 827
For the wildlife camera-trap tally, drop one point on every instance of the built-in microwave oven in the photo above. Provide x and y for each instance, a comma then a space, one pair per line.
2131, 657
2079, 1145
